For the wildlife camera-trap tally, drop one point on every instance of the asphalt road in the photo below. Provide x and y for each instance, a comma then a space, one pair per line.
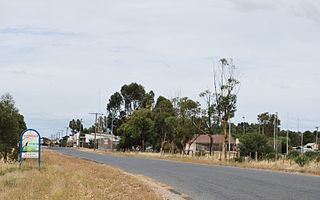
214, 182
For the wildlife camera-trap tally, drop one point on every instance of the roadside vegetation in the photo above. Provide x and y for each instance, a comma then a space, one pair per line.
63, 177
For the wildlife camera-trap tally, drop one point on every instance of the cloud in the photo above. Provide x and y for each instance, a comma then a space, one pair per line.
24, 71
307, 9
281, 85
253, 5
37, 31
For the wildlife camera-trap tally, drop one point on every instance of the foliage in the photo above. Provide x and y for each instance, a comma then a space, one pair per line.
225, 94
11, 125
271, 155
266, 123
292, 155
302, 160
164, 120
140, 126
133, 95
254, 142
318, 159
75, 125
238, 159
312, 155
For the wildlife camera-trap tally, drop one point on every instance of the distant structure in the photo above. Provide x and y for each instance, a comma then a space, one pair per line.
202, 143
105, 141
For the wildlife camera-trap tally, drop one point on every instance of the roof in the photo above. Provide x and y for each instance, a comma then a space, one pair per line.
216, 139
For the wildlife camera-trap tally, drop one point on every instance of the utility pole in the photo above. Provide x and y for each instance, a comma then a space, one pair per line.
274, 131
287, 134
95, 129
229, 136
275, 135
301, 135
78, 138
287, 141
317, 138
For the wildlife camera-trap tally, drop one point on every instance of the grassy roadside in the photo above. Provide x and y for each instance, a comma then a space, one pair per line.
63, 177
281, 165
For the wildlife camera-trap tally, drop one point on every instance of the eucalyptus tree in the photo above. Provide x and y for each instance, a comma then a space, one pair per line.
148, 100
133, 95
11, 125
225, 94
140, 126
267, 122
75, 125
186, 110
114, 109
164, 120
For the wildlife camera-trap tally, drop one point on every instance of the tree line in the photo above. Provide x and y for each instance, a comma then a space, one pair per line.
164, 124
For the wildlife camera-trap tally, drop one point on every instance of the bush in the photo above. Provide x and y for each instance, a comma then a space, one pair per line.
270, 156
318, 159
238, 159
312, 155
302, 160
252, 143
293, 155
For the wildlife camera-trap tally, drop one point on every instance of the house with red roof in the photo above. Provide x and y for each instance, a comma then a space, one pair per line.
202, 143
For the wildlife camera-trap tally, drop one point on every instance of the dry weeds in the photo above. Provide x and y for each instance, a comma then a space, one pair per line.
63, 177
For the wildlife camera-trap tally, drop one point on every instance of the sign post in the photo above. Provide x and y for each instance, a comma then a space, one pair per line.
30, 145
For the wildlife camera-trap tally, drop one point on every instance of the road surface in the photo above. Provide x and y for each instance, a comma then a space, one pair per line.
214, 182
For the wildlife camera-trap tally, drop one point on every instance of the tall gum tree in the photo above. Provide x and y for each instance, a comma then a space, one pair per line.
226, 87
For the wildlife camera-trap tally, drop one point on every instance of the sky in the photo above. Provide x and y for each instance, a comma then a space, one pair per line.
63, 59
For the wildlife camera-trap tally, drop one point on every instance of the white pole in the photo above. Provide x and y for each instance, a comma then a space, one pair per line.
274, 132
287, 141
229, 135
317, 138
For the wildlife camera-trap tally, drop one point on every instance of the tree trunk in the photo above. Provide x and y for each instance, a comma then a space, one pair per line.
225, 138
5, 156
190, 143
142, 146
163, 141
210, 145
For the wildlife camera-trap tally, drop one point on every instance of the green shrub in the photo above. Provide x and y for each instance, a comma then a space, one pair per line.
302, 160
312, 155
293, 155
318, 159
238, 159
270, 156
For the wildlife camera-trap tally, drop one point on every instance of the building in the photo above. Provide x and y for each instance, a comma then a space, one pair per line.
105, 141
311, 147
202, 143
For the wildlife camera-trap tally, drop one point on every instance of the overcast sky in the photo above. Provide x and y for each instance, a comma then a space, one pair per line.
63, 59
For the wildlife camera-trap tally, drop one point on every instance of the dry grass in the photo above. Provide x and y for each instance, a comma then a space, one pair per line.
281, 165
63, 177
